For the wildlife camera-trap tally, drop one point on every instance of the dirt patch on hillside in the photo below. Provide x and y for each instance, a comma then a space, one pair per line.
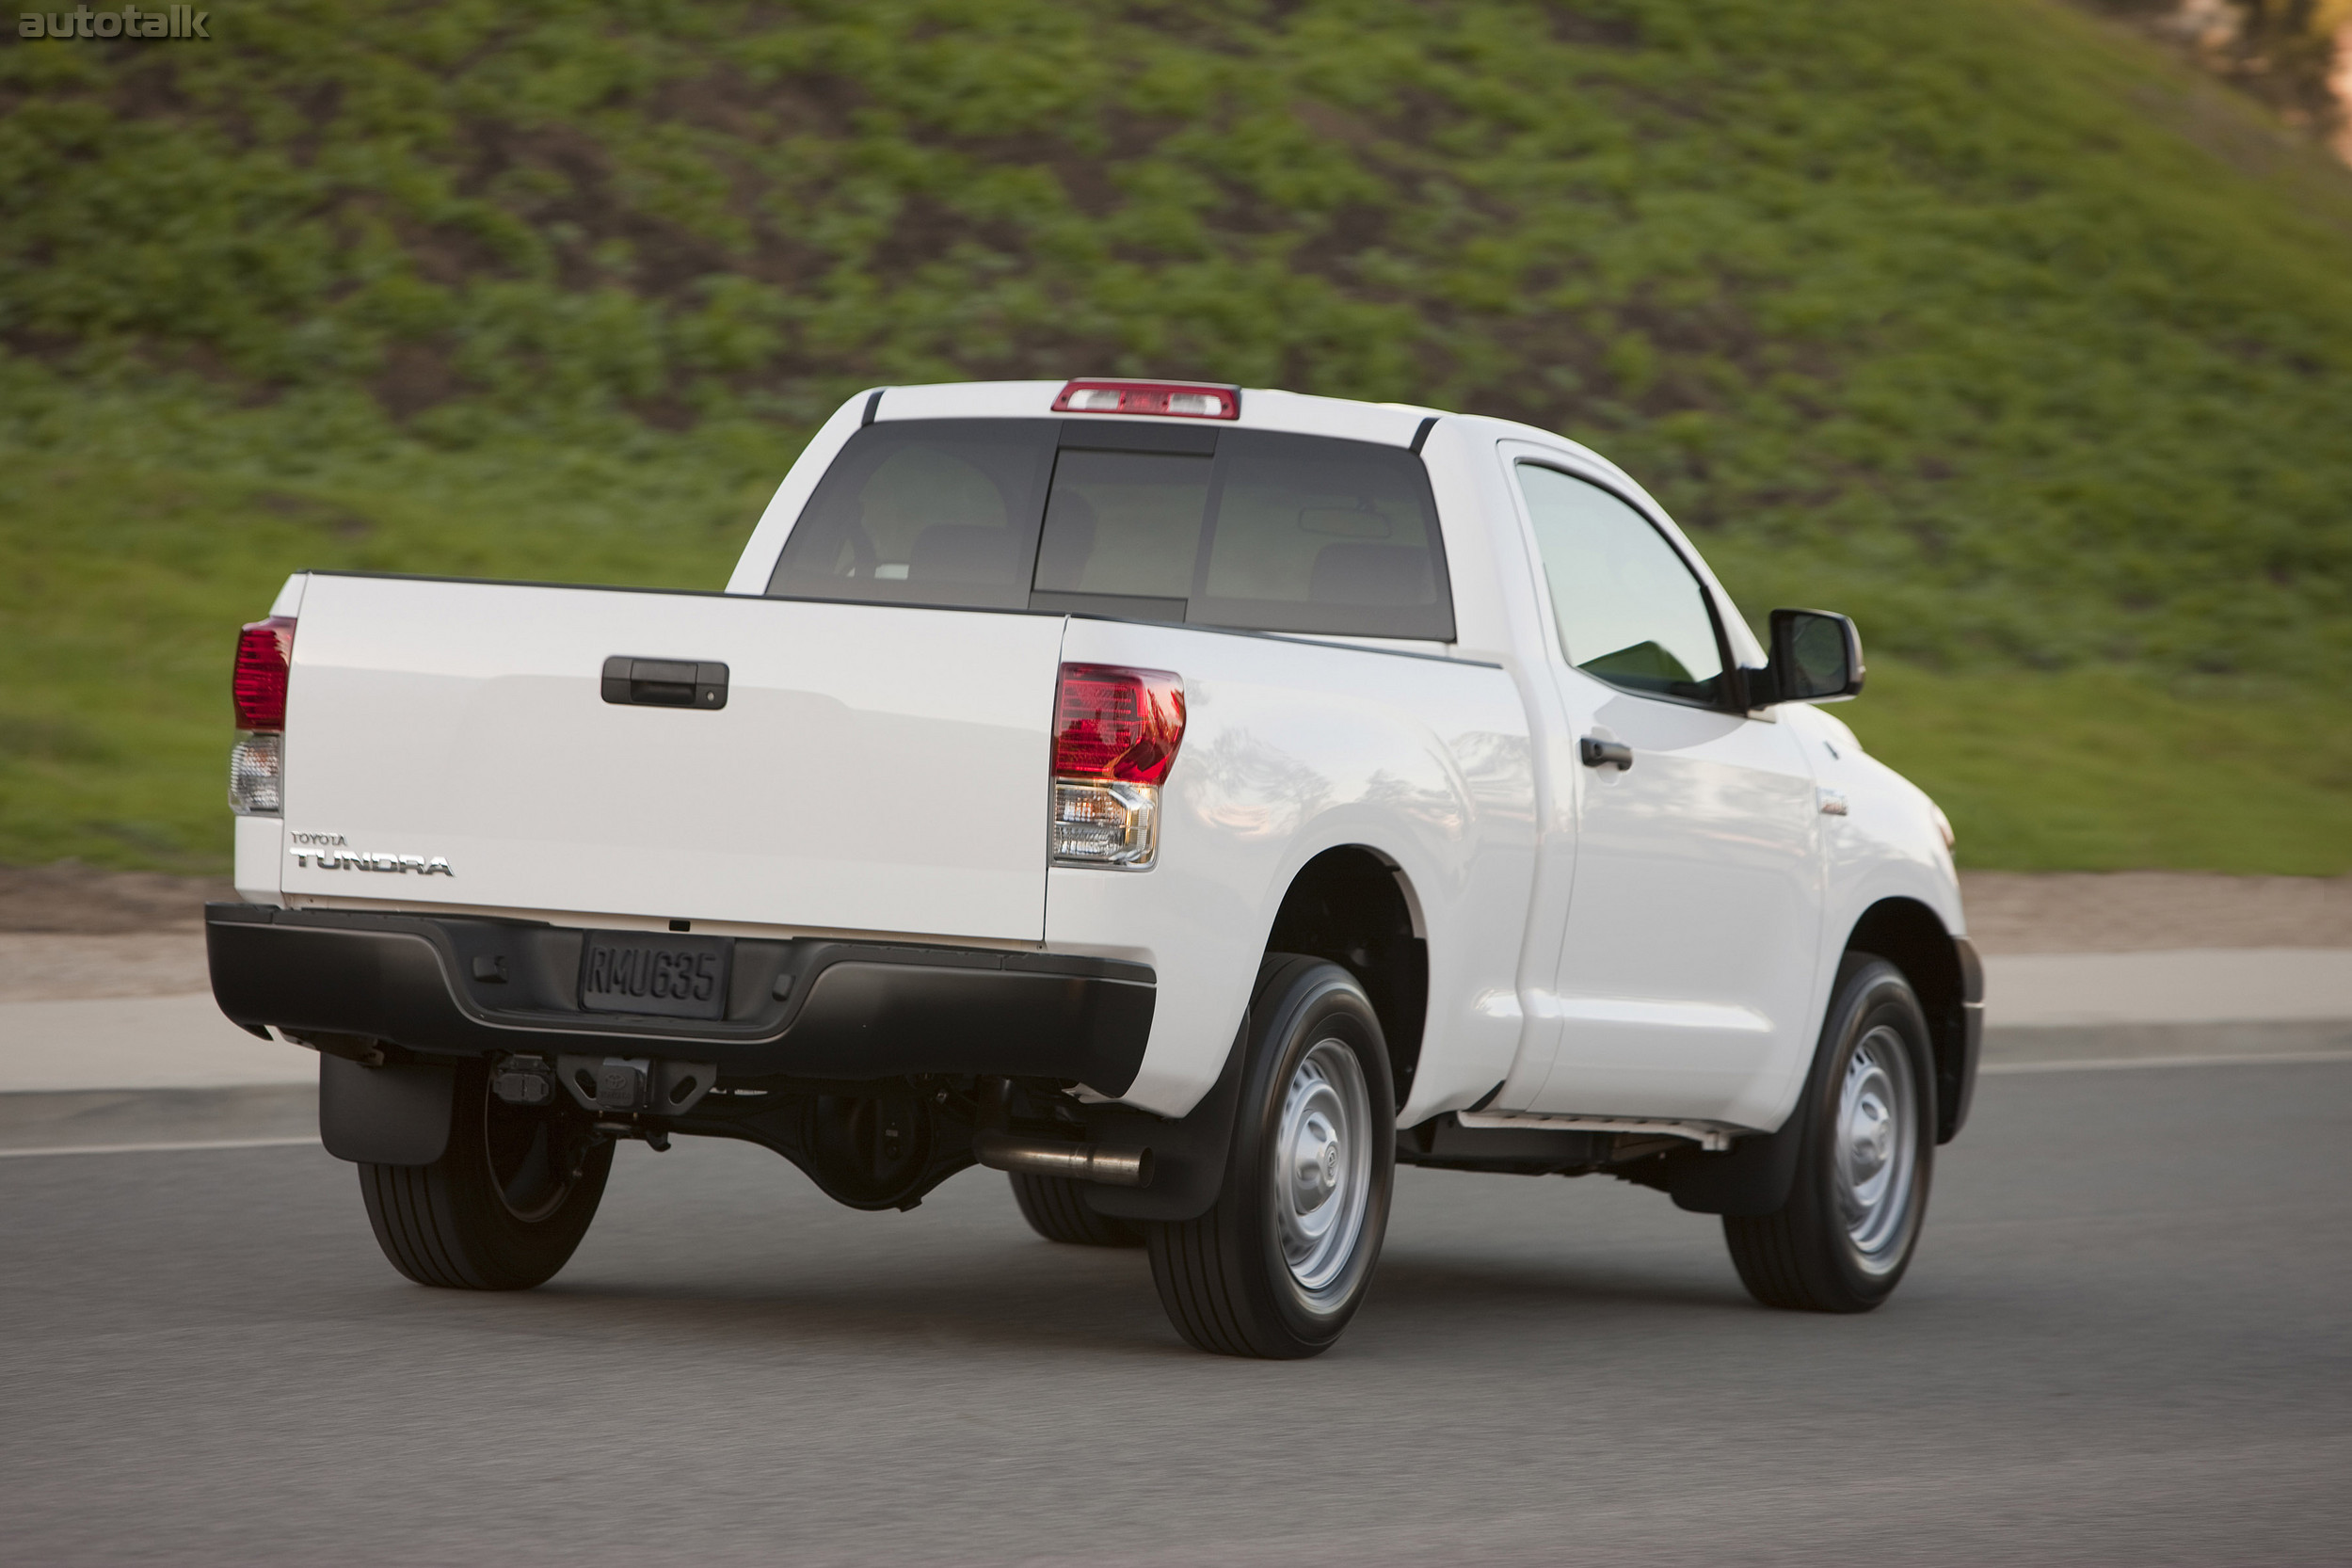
72, 897
56, 966
2153, 911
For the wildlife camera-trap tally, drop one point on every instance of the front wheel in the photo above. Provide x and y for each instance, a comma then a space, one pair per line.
1865, 1150
1282, 1261
506, 1204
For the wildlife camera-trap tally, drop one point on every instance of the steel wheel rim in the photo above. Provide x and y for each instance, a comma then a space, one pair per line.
1322, 1175
1877, 1149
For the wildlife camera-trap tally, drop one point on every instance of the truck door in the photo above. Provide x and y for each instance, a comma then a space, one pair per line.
1685, 977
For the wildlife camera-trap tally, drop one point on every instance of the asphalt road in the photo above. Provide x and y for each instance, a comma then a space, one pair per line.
2127, 1340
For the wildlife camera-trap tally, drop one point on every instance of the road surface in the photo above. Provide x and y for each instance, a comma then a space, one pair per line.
2128, 1338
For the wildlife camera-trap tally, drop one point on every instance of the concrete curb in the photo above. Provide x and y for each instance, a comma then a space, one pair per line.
56, 1121
2057, 1043
2217, 986
138, 1043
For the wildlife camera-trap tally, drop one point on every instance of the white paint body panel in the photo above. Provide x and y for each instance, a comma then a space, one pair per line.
1685, 973
258, 842
1656, 947
1292, 748
873, 769
1886, 846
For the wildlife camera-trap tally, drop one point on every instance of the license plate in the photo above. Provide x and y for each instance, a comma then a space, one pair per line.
639, 971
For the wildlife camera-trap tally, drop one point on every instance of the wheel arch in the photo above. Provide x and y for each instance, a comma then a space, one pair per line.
1355, 906
1910, 936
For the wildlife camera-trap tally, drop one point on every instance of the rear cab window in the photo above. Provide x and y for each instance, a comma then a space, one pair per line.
1246, 529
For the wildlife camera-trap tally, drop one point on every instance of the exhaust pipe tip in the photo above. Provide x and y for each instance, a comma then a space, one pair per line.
1106, 1167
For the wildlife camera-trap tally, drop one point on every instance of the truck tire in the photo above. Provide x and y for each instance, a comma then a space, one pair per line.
1281, 1261
1865, 1152
1056, 1210
505, 1205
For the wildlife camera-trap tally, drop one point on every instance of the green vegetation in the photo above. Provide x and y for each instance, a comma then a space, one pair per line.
2099, 769
122, 582
1985, 320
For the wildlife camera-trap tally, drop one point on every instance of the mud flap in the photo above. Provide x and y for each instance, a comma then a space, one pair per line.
1751, 1178
391, 1115
1187, 1153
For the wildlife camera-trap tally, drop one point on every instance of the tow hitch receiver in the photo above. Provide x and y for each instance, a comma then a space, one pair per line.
626, 1085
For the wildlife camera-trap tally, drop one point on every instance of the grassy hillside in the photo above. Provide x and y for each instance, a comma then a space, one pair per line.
1984, 321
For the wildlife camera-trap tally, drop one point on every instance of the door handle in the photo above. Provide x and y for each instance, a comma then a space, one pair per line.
1598, 753
665, 682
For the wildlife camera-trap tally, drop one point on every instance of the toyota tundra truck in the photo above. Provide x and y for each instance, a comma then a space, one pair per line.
1193, 801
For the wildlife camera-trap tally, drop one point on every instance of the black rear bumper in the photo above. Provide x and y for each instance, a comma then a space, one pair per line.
849, 1011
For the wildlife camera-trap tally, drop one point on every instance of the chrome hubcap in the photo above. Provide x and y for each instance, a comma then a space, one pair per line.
1877, 1139
1322, 1173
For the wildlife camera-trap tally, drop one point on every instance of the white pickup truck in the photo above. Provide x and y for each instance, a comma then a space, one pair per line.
1189, 800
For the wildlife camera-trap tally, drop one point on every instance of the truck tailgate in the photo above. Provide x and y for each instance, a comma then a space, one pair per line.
874, 768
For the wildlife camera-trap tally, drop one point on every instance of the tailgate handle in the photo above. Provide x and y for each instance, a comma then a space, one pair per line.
665, 682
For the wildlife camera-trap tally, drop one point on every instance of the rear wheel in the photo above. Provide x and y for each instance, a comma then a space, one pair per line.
506, 1204
1282, 1261
1846, 1235
1055, 1208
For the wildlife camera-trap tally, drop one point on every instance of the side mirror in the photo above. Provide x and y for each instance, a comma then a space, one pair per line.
1816, 657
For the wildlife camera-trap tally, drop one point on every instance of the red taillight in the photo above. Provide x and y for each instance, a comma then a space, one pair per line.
1176, 399
264, 652
1117, 724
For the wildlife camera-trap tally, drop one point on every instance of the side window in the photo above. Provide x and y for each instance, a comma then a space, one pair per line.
928, 512
1630, 611
1309, 533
